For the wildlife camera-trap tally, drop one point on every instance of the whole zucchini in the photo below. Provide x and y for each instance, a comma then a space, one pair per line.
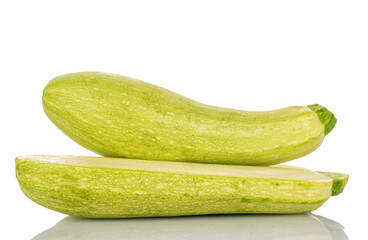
97, 187
118, 116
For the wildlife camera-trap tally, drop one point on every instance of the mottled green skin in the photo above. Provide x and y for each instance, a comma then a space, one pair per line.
117, 116
104, 192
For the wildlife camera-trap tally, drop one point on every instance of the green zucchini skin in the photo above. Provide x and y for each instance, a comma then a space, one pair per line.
96, 187
117, 116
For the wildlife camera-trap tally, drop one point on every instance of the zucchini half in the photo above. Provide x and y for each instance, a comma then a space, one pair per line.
99, 187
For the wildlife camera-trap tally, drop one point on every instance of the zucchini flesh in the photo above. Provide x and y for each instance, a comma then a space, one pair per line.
98, 187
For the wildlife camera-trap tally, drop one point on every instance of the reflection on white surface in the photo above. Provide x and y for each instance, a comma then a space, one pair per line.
229, 227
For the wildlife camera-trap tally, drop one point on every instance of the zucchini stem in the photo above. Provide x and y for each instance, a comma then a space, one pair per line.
327, 118
339, 181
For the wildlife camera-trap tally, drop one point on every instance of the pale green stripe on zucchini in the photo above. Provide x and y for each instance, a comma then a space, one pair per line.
118, 116
97, 187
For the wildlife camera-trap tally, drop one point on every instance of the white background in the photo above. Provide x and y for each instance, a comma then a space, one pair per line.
249, 55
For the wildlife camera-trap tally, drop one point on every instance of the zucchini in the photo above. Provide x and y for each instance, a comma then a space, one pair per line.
98, 187
117, 116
